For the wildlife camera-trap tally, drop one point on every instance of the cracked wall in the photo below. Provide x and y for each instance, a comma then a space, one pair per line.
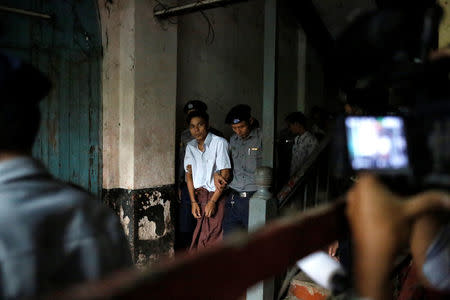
147, 218
139, 103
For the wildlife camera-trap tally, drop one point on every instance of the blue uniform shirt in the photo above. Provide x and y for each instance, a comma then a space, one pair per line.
247, 156
51, 234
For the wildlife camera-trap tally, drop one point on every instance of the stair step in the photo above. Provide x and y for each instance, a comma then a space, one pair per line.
302, 288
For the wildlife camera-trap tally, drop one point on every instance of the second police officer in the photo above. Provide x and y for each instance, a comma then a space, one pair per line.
246, 155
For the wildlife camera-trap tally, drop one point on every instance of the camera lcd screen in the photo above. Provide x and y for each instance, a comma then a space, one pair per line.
377, 143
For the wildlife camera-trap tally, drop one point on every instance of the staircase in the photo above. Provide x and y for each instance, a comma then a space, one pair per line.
309, 187
302, 287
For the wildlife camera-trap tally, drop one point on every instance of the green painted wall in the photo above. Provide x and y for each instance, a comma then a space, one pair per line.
68, 49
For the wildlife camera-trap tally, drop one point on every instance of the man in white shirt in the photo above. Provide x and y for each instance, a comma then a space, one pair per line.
205, 155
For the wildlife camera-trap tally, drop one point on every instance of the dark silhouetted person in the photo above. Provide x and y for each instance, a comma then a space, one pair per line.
304, 143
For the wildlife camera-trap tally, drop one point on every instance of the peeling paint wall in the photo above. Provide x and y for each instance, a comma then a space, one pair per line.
148, 229
139, 104
125, 221
147, 217
154, 228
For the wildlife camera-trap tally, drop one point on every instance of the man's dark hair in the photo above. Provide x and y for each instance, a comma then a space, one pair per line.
198, 113
18, 127
296, 117
369, 100
21, 88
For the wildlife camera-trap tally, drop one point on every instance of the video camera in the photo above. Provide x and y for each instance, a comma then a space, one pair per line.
410, 148
408, 153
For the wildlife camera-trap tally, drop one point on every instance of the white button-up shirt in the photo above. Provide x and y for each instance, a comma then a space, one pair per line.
214, 158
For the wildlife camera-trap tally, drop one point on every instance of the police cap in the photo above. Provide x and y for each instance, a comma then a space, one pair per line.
238, 113
195, 105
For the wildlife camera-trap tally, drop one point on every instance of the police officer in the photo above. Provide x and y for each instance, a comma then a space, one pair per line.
51, 233
186, 222
246, 154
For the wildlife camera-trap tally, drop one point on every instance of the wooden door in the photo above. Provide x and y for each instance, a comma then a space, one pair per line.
67, 47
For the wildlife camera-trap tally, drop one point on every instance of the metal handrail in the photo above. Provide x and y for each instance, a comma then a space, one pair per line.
290, 188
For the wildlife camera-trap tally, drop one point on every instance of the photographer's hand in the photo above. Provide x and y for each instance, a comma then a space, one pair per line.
381, 224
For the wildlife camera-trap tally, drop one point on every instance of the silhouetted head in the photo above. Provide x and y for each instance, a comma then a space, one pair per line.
297, 123
21, 88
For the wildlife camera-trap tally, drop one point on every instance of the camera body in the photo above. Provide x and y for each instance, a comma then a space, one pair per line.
409, 152
409, 149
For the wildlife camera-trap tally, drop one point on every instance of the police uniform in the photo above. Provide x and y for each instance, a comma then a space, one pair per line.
246, 156
52, 234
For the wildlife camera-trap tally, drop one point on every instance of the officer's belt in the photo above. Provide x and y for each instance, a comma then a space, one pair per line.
242, 194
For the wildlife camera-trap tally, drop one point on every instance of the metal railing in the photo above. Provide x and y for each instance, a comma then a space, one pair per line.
310, 185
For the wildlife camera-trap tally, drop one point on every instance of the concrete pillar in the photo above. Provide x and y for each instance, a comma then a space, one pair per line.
139, 105
262, 207
270, 81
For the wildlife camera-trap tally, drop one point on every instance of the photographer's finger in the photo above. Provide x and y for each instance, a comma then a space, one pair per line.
369, 183
427, 202
349, 208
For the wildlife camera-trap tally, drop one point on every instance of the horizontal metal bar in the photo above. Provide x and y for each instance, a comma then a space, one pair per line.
24, 12
192, 7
